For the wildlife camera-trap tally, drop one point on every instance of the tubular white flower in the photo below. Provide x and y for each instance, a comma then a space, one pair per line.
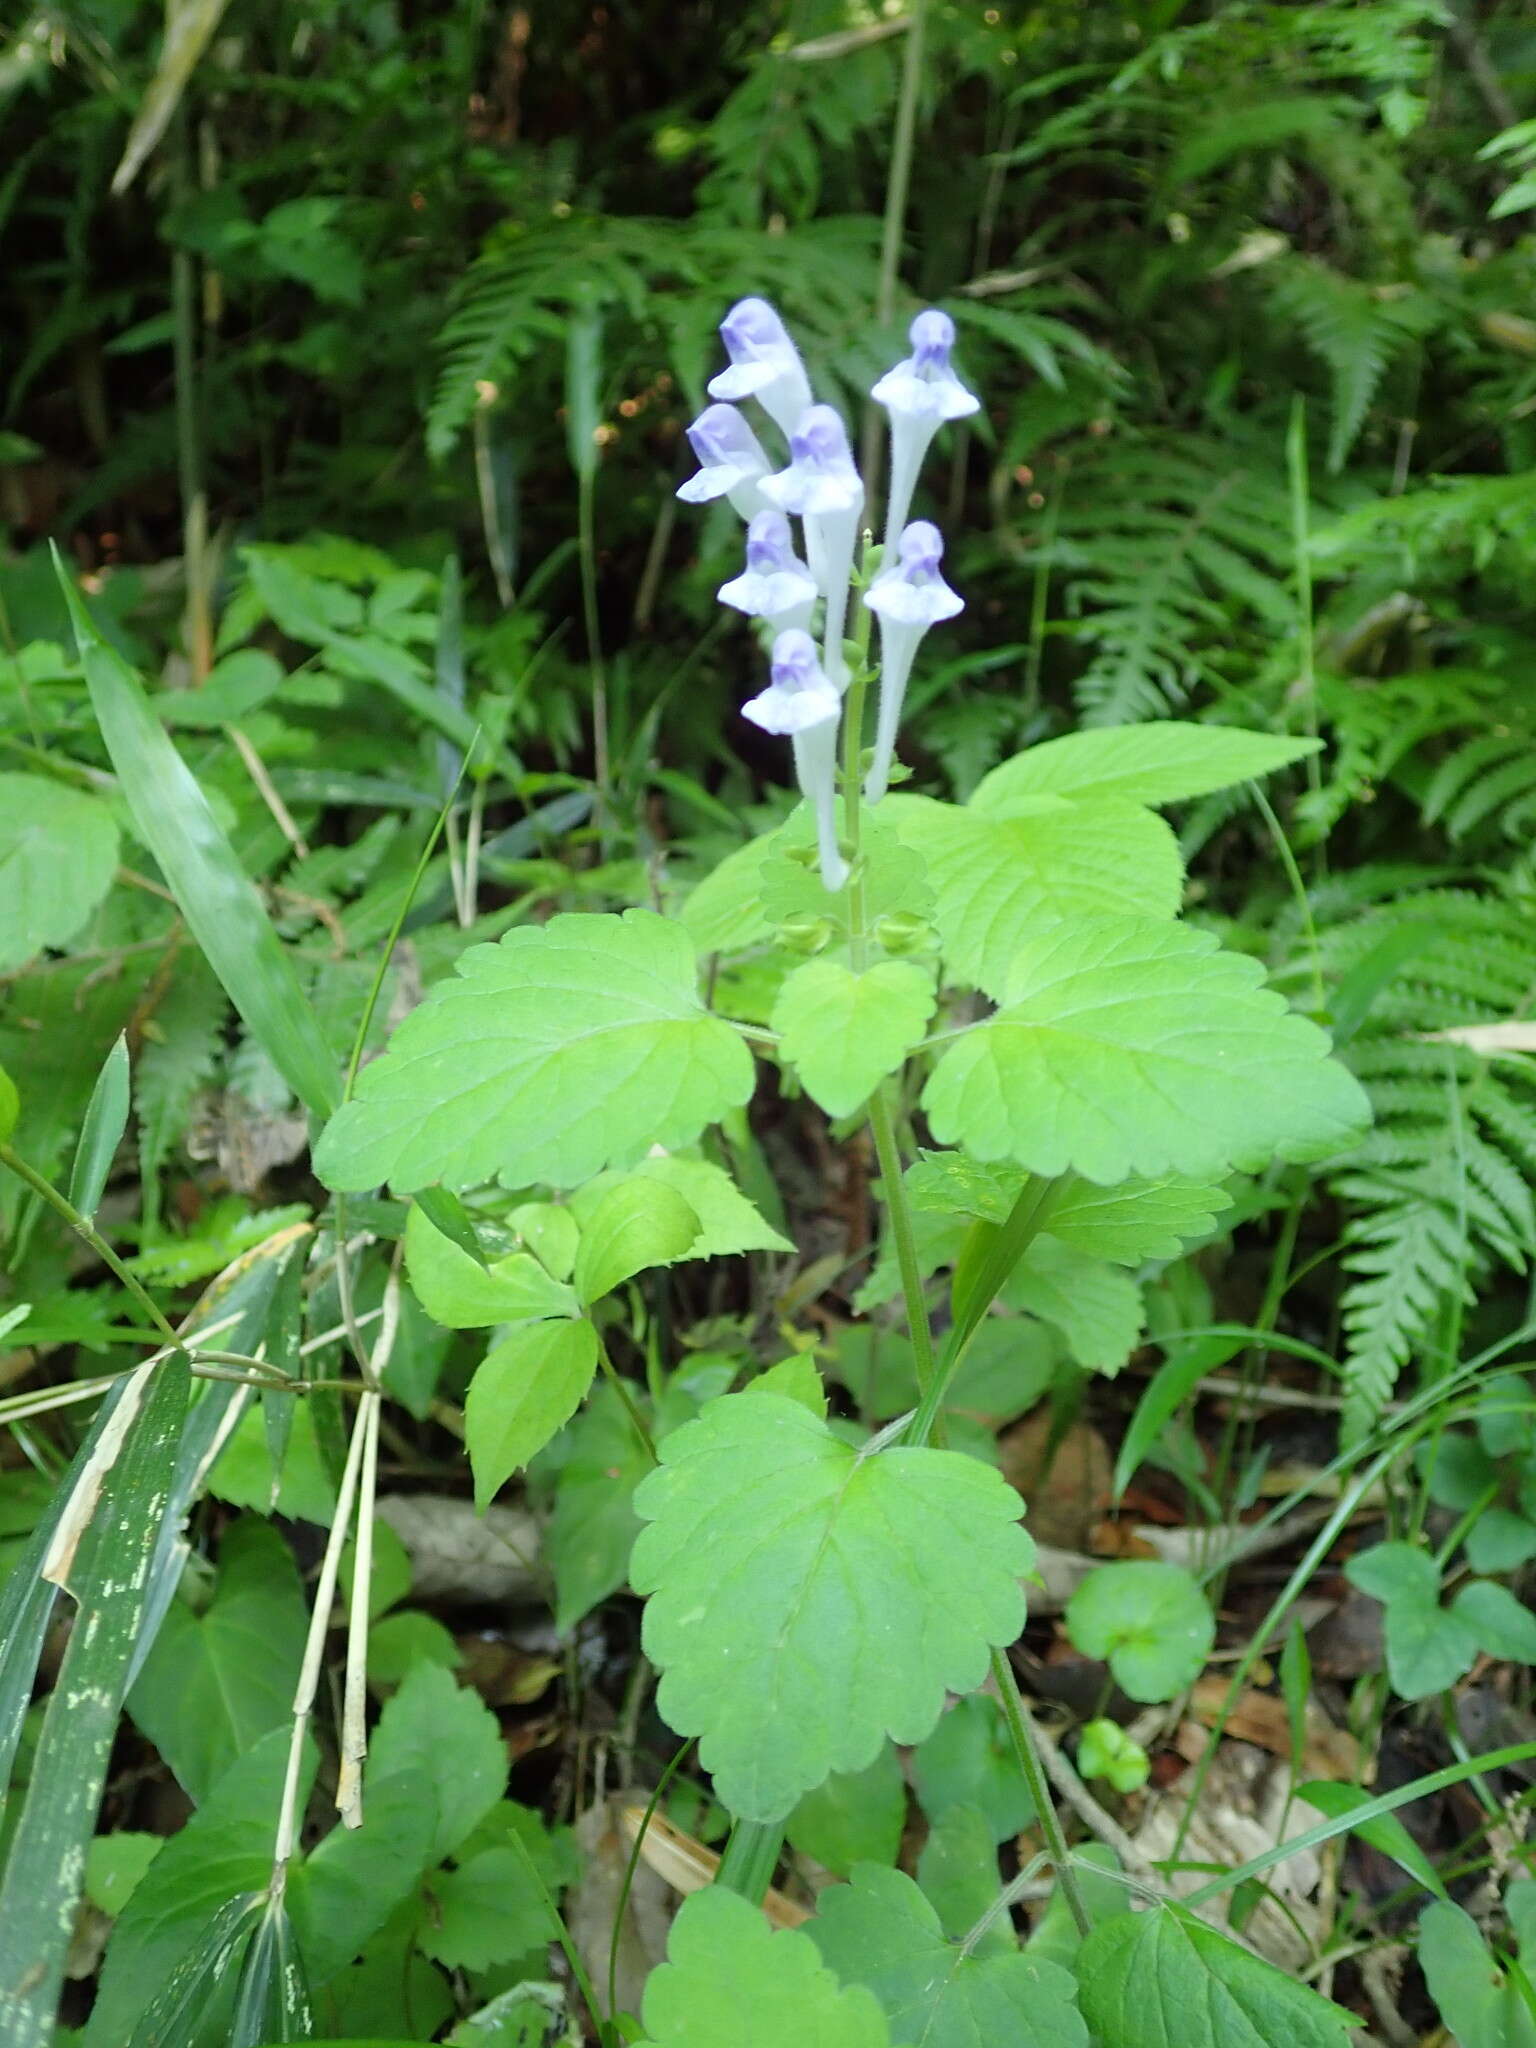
907, 597
919, 394
765, 364
731, 461
824, 487
802, 702
775, 585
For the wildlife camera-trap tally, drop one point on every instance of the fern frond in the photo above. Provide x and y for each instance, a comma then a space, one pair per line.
1357, 329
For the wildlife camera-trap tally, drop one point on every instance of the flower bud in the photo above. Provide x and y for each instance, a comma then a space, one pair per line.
804, 932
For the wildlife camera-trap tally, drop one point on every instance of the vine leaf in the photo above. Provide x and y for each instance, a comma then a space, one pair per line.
783, 1566
880, 1931
1128, 1047
844, 1032
730, 1982
1158, 763
1146, 1979
998, 875
566, 1048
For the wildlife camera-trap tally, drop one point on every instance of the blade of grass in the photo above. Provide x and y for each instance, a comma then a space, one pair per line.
212, 890
100, 1554
106, 1119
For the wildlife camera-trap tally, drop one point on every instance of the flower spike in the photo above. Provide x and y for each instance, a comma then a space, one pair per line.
765, 364
824, 487
804, 703
731, 461
775, 585
920, 394
907, 597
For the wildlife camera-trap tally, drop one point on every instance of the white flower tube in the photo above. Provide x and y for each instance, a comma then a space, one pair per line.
775, 585
802, 702
731, 461
824, 487
908, 596
765, 364
919, 394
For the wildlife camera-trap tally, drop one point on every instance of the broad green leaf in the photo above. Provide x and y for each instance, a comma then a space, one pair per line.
10, 1107
1479, 2003
853, 1816
891, 876
101, 1555
1428, 1646
594, 1525
958, 1875
114, 1866
1141, 764
1395, 1571
1125, 1047
1503, 1625
730, 1982
222, 1853
213, 892
728, 1221
346, 1890
781, 1565
1140, 1219
881, 1932
527, 1386
216, 1682
58, 855
566, 1048
550, 1232
489, 1908
998, 879
461, 1294
844, 1032
797, 1380
1151, 1621
636, 1225
398, 1643
968, 1760
1096, 1306
1146, 1980
724, 913
438, 1729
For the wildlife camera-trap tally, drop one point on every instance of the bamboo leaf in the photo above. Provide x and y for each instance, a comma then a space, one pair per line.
106, 1118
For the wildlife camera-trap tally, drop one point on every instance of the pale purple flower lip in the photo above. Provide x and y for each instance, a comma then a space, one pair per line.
821, 477
800, 696
751, 328
769, 547
731, 461
775, 585
932, 335
911, 591
921, 548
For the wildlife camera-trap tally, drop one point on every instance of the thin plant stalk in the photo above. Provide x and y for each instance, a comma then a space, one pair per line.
62, 1206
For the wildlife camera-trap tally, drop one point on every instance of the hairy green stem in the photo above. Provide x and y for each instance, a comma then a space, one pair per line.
899, 1211
1022, 1735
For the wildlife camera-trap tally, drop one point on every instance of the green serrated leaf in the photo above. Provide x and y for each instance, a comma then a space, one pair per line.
1142, 764
1151, 1621
844, 1032
636, 1225
1096, 1306
1503, 1625
730, 1982
1148, 1979
998, 879
780, 1566
58, 855
880, 1931
528, 1385
853, 1816
461, 1294
1125, 1047
483, 1912
958, 1875
1140, 1219
216, 1682
968, 1760
567, 1048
